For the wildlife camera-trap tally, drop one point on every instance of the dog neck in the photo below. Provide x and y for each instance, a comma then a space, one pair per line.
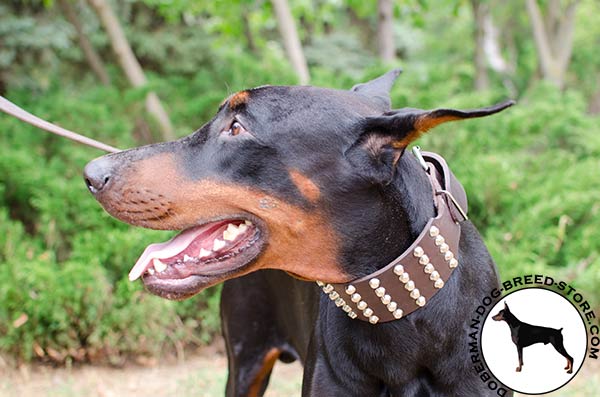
405, 283
392, 216
511, 319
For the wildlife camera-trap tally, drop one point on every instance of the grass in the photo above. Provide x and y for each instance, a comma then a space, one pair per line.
200, 375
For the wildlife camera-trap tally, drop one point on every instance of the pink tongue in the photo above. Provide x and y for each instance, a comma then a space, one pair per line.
167, 249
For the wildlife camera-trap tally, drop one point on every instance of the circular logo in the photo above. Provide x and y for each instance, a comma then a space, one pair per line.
534, 341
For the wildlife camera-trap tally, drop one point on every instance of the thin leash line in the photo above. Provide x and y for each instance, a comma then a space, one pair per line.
10, 108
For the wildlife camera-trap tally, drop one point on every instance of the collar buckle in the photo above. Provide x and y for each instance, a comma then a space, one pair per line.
455, 203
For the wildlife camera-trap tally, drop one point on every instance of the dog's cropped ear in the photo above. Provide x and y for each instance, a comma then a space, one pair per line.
378, 89
506, 306
384, 138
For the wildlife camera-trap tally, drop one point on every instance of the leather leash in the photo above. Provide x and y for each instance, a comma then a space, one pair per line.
411, 280
10, 108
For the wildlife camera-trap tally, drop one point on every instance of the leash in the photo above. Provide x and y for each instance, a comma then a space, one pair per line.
412, 279
10, 108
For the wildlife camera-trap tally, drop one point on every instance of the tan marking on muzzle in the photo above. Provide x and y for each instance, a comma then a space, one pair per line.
299, 242
306, 186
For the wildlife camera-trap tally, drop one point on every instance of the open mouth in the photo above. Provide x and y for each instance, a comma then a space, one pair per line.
198, 257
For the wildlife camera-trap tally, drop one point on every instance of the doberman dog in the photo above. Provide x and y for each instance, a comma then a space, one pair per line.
305, 184
524, 335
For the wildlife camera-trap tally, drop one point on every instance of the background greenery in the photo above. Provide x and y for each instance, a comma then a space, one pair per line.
532, 173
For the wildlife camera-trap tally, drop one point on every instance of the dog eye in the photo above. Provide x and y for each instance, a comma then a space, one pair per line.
236, 129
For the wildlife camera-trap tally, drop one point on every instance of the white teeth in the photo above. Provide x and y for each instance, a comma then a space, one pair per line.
243, 227
158, 265
204, 253
248, 223
187, 258
151, 271
218, 244
231, 232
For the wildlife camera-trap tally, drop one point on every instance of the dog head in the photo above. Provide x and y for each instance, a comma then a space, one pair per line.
502, 314
283, 177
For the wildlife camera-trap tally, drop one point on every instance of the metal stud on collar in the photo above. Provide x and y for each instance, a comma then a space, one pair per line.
434, 231
328, 289
398, 270
374, 283
418, 252
386, 299
444, 248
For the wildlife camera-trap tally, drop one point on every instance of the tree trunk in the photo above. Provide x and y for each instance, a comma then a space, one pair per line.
385, 30
91, 56
480, 13
367, 35
553, 38
130, 65
248, 32
594, 105
291, 42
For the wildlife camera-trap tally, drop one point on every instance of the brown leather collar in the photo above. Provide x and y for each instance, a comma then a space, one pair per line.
412, 279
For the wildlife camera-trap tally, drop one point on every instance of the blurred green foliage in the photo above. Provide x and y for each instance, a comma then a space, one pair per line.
531, 173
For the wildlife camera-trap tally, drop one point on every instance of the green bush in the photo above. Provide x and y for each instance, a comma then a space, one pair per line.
64, 261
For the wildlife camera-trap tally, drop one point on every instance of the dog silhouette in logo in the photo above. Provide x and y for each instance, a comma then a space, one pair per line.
524, 335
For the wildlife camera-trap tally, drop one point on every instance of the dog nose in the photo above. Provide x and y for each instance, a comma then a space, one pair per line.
97, 174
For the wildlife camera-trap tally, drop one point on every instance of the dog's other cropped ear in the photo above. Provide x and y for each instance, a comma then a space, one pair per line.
384, 138
378, 89
404, 126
